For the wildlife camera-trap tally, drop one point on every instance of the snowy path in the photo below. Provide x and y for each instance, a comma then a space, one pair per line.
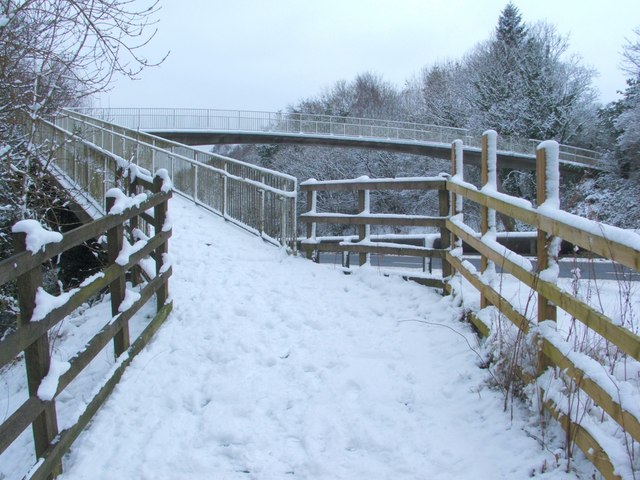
274, 367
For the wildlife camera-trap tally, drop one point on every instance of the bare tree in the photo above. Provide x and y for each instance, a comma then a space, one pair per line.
56, 53
631, 55
440, 94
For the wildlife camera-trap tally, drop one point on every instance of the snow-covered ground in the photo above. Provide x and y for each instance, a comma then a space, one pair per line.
271, 366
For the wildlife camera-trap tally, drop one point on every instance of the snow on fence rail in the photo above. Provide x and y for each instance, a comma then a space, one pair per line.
616, 399
306, 123
41, 313
260, 200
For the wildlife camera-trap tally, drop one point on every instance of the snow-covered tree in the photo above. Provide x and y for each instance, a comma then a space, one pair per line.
367, 96
511, 31
525, 87
440, 95
520, 82
628, 124
496, 72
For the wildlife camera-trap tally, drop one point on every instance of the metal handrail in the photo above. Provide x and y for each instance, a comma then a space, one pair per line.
260, 200
158, 119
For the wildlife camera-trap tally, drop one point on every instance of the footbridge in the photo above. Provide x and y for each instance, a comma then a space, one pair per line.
90, 156
208, 127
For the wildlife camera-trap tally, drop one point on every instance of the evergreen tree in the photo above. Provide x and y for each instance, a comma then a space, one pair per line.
497, 70
511, 31
524, 87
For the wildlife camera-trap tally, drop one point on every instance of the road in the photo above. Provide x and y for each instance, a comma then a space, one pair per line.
589, 268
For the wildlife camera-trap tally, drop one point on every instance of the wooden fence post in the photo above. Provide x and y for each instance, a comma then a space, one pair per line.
445, 235
363, 230
487, 179
160, 217
457, 170
547, 189
37, 355
115, 241
312, 205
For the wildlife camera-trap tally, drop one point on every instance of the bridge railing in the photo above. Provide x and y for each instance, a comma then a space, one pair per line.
156, 119
260, 200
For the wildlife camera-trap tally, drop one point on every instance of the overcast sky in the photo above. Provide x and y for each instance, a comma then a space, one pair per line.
269, 54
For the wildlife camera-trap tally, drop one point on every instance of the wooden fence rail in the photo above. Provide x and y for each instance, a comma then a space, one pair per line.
32, 333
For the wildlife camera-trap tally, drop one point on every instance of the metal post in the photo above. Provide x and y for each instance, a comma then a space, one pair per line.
261, 200
283, 225
225, 181
195, 182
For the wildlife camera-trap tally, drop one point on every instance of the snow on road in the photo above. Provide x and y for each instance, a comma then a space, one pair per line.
273, 367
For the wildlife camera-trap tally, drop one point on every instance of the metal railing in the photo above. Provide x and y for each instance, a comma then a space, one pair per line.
157, 119
260, 200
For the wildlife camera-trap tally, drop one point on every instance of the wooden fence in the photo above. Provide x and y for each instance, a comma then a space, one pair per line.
552, 224
366, 244
32, 333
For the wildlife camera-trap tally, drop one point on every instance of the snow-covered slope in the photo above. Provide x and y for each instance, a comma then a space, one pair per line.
275, 367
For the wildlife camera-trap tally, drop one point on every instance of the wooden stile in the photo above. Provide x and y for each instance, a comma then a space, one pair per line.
364, 219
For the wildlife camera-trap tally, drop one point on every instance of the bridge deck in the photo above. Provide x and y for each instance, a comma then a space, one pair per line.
472, 155
275, 367
206, 126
